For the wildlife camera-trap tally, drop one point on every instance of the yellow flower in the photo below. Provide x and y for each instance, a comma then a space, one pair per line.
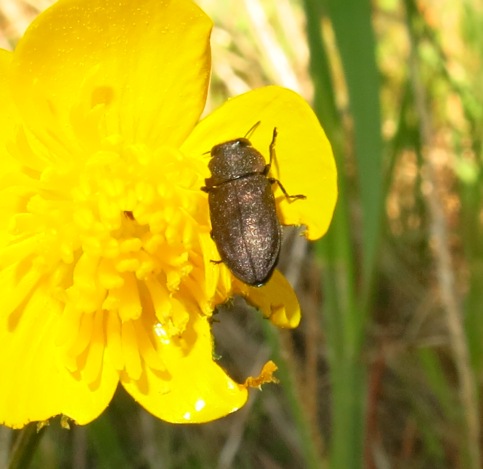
105, 248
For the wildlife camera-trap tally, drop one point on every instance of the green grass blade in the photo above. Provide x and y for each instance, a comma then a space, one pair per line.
344, 315
351, 20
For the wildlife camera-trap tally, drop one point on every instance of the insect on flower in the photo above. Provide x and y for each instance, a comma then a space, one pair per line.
104, 242
245, 225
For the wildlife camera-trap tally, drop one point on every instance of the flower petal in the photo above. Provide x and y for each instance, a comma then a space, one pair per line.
304, 161
276, 299
35, 384
6, 109
147, 62
8, 117
10, 196
192, 388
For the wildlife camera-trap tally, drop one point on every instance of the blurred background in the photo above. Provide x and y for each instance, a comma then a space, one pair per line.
386, 368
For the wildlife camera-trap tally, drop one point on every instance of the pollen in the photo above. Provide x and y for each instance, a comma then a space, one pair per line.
117, 234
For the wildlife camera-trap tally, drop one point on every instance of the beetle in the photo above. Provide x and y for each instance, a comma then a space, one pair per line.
244, 221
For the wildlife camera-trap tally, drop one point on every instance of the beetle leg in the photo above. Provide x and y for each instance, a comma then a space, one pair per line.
211, 260
267, 169
209, 185
272, 151
216, 262
285, 193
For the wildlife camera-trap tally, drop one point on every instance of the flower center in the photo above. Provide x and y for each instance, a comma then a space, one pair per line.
117, 234
105, 223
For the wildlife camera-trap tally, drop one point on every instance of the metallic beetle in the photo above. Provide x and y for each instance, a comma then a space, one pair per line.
244, 221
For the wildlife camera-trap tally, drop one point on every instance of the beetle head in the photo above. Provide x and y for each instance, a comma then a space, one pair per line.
230, 146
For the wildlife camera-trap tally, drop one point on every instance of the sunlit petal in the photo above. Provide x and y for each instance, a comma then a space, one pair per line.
36, 385
276, 299
192, 388
137, 69
304, 161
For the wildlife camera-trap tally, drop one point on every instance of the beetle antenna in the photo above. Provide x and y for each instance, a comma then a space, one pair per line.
252, 130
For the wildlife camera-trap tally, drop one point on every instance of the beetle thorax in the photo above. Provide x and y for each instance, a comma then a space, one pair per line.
235, 159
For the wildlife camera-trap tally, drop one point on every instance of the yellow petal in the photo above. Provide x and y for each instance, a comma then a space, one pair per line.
6, 109
192, 388
304, 161
276, 299
10, 196
35, 383
145, 62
